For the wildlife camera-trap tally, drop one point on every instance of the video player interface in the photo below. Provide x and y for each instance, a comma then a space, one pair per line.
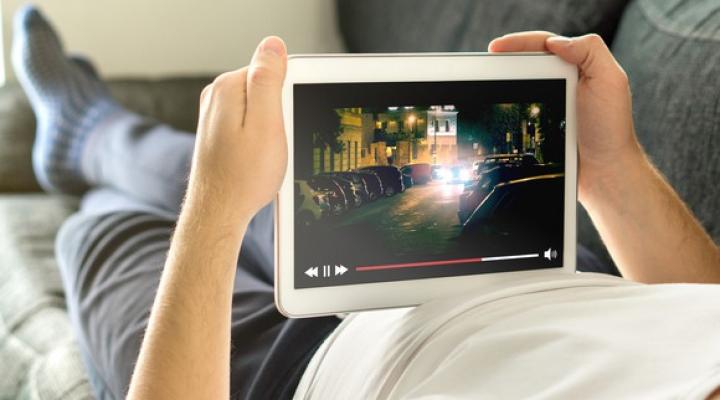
411, 180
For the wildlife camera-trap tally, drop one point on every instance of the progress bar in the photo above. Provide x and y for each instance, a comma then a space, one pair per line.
444, 262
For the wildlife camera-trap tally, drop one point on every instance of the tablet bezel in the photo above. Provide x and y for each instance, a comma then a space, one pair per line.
421, 67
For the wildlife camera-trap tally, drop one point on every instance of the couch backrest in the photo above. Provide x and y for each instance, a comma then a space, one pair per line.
377, 26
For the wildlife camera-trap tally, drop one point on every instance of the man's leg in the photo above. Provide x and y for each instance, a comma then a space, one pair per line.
112, 252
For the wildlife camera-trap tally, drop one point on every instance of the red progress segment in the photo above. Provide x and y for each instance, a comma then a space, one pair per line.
442, 262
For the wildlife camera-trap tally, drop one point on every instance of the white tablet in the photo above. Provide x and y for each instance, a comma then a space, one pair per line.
415, 176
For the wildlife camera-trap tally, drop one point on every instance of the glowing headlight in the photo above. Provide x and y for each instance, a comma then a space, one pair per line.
464, 175
444, 174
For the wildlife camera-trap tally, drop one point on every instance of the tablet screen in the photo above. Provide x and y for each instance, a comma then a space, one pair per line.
410, 180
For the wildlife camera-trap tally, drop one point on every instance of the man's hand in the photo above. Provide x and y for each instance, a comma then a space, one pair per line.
606, 137
650, 233
241, 150
238, 165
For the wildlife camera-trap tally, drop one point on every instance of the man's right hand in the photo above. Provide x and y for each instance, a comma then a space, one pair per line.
651, 235
606, 138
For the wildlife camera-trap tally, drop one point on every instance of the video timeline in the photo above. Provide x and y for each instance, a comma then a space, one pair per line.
401, 181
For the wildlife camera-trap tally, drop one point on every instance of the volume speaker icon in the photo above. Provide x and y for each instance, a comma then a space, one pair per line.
550, 254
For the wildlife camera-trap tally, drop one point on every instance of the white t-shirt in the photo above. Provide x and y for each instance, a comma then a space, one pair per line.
561, 336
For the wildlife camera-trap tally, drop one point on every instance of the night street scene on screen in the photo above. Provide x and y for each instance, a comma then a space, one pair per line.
472, 182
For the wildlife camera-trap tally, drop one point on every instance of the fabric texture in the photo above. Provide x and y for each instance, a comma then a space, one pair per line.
607, 338
39, 357
379, 26
670, 50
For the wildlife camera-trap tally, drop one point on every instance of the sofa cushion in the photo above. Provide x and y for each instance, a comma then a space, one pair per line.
173, 101
38, 354
17, 126
377, 26
670, 50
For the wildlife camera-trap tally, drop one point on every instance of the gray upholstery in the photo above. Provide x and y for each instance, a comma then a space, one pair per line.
39, 358
379, 26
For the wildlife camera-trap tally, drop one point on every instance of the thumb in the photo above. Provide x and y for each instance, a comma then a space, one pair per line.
266, 74
588, 52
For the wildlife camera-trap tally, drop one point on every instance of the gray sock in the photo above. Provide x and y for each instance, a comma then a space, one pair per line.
68, 99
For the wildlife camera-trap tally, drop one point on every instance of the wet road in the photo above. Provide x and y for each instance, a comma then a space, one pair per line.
423, 217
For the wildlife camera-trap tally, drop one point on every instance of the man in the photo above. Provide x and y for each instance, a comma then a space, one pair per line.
213, 331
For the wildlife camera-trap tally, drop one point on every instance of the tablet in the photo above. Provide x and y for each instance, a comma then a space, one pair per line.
415, 176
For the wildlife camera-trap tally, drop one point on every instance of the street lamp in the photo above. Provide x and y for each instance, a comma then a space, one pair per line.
534, 110
411, 121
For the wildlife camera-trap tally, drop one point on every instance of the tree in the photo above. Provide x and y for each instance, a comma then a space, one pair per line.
327, 130
552, 128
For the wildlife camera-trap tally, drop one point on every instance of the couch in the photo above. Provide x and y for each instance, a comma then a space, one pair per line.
669, 48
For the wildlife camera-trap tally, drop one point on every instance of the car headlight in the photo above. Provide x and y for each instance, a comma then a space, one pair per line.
464, 175
444, 173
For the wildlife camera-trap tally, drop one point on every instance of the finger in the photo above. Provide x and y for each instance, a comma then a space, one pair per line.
225, 98
520, 41
588, 52
266, 74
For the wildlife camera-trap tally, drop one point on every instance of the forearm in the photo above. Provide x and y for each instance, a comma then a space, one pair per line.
185, 354
650, 233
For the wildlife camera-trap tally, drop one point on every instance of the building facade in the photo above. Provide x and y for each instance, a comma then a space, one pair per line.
396, 135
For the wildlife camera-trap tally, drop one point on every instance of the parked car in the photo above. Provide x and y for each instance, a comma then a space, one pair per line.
498, 159
390, 176
360, 186
310, 205
337, 199
421, 173
373, 183
521, 208
353, 192
407, 180
476, 191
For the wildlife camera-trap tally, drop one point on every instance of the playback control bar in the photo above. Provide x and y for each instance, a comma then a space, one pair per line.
333, 270
550, 254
